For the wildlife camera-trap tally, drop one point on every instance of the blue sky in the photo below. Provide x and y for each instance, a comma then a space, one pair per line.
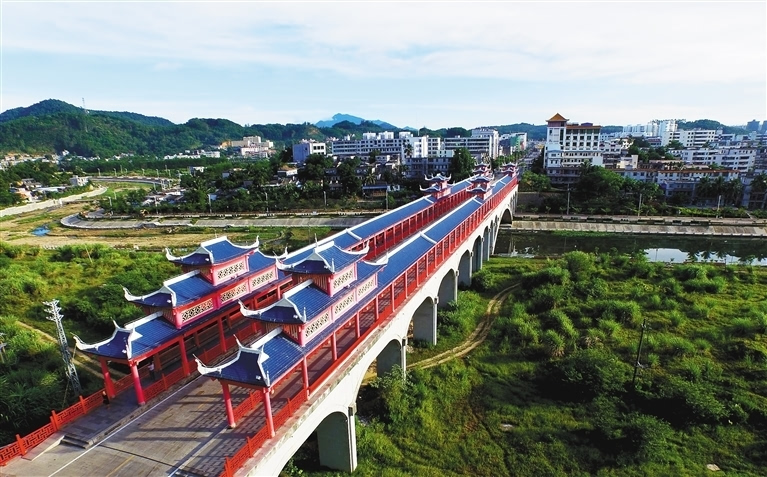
433, 64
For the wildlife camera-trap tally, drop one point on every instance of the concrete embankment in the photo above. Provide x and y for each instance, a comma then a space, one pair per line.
339, 222
50, 203
646, 226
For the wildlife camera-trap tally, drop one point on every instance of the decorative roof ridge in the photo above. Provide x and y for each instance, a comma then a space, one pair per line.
201, 250
349, 231
163, 289
82, 345
180, 278
285, 300
146, 319
383, 260
252, 349
434, 242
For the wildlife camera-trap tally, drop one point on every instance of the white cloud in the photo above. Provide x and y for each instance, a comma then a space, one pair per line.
638, 42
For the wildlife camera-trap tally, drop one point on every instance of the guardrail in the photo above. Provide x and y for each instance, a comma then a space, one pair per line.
398, 291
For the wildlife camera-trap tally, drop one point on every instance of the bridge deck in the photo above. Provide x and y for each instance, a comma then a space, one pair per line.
183, 433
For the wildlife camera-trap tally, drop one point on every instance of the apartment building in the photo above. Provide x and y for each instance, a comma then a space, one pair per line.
306, 148
690, 138
568, 147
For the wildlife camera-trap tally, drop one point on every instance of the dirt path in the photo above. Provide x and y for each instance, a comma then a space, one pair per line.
476, 338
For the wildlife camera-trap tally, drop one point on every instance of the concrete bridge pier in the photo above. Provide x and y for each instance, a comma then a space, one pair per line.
448, 289
477, 255
487, 244
337, 441
425, 321
394, 354
465, 269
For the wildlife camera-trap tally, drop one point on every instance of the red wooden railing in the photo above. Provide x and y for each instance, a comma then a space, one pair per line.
404, 286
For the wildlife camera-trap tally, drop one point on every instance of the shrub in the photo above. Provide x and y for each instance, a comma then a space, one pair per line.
553, 344
579, 264
621, 311
646, 437
586, 374
484, 280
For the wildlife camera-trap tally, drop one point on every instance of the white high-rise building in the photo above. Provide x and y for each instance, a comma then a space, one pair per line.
306, 148
568, 146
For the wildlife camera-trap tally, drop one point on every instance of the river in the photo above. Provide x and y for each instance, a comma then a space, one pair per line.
675, 249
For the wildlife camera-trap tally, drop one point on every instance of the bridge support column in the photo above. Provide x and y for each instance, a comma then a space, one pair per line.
337, 441
228, 403
109, 386
394, 354
425, 321
333, 346
137, 384
487, 245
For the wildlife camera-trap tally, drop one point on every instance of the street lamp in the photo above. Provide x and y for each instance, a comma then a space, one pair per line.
267, 203
99, 169
325, 196
115, 169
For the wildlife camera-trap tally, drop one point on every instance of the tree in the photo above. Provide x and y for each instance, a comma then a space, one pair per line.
315, 167
461, 164
347, 173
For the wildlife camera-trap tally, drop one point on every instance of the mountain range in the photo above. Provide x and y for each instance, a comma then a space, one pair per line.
51, 126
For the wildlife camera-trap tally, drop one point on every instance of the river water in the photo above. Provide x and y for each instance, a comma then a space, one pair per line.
660, 248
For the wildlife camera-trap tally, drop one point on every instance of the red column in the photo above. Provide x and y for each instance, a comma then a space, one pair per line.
357, 324
108, 385
221, 337
157, 363
333, 345
305, 373
184, 360
228, 403
137, 384
268, 411
376, 318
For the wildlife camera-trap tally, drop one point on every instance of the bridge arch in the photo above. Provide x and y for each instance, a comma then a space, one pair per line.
425, 321
487, 243
448, 288
464, 269
477, 254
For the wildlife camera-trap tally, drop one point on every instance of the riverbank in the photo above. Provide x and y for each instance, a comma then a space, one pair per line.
641, 225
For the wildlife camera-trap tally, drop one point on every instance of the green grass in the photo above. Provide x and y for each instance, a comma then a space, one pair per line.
550, 393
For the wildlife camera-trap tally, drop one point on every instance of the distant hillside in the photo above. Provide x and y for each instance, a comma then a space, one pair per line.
54, 106
339, 117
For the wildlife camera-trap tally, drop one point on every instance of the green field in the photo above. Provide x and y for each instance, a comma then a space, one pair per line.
551, 391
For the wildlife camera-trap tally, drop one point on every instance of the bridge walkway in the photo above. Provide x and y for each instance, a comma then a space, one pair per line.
183, 433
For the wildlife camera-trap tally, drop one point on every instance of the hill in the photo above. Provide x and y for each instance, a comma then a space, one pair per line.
54, 106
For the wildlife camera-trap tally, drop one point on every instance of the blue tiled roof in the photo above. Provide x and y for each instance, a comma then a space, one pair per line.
382, 222
402, 258
143, 336
449, 222
460, 186
250, 366
325, 258
313, 300
258, 261
214, 251
192, 288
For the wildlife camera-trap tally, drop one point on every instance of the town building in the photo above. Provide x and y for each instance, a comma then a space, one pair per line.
306, 148
568, 147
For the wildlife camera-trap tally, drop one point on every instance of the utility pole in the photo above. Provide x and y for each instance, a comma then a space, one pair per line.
637, 364
54, 315
568, 199
639, 209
